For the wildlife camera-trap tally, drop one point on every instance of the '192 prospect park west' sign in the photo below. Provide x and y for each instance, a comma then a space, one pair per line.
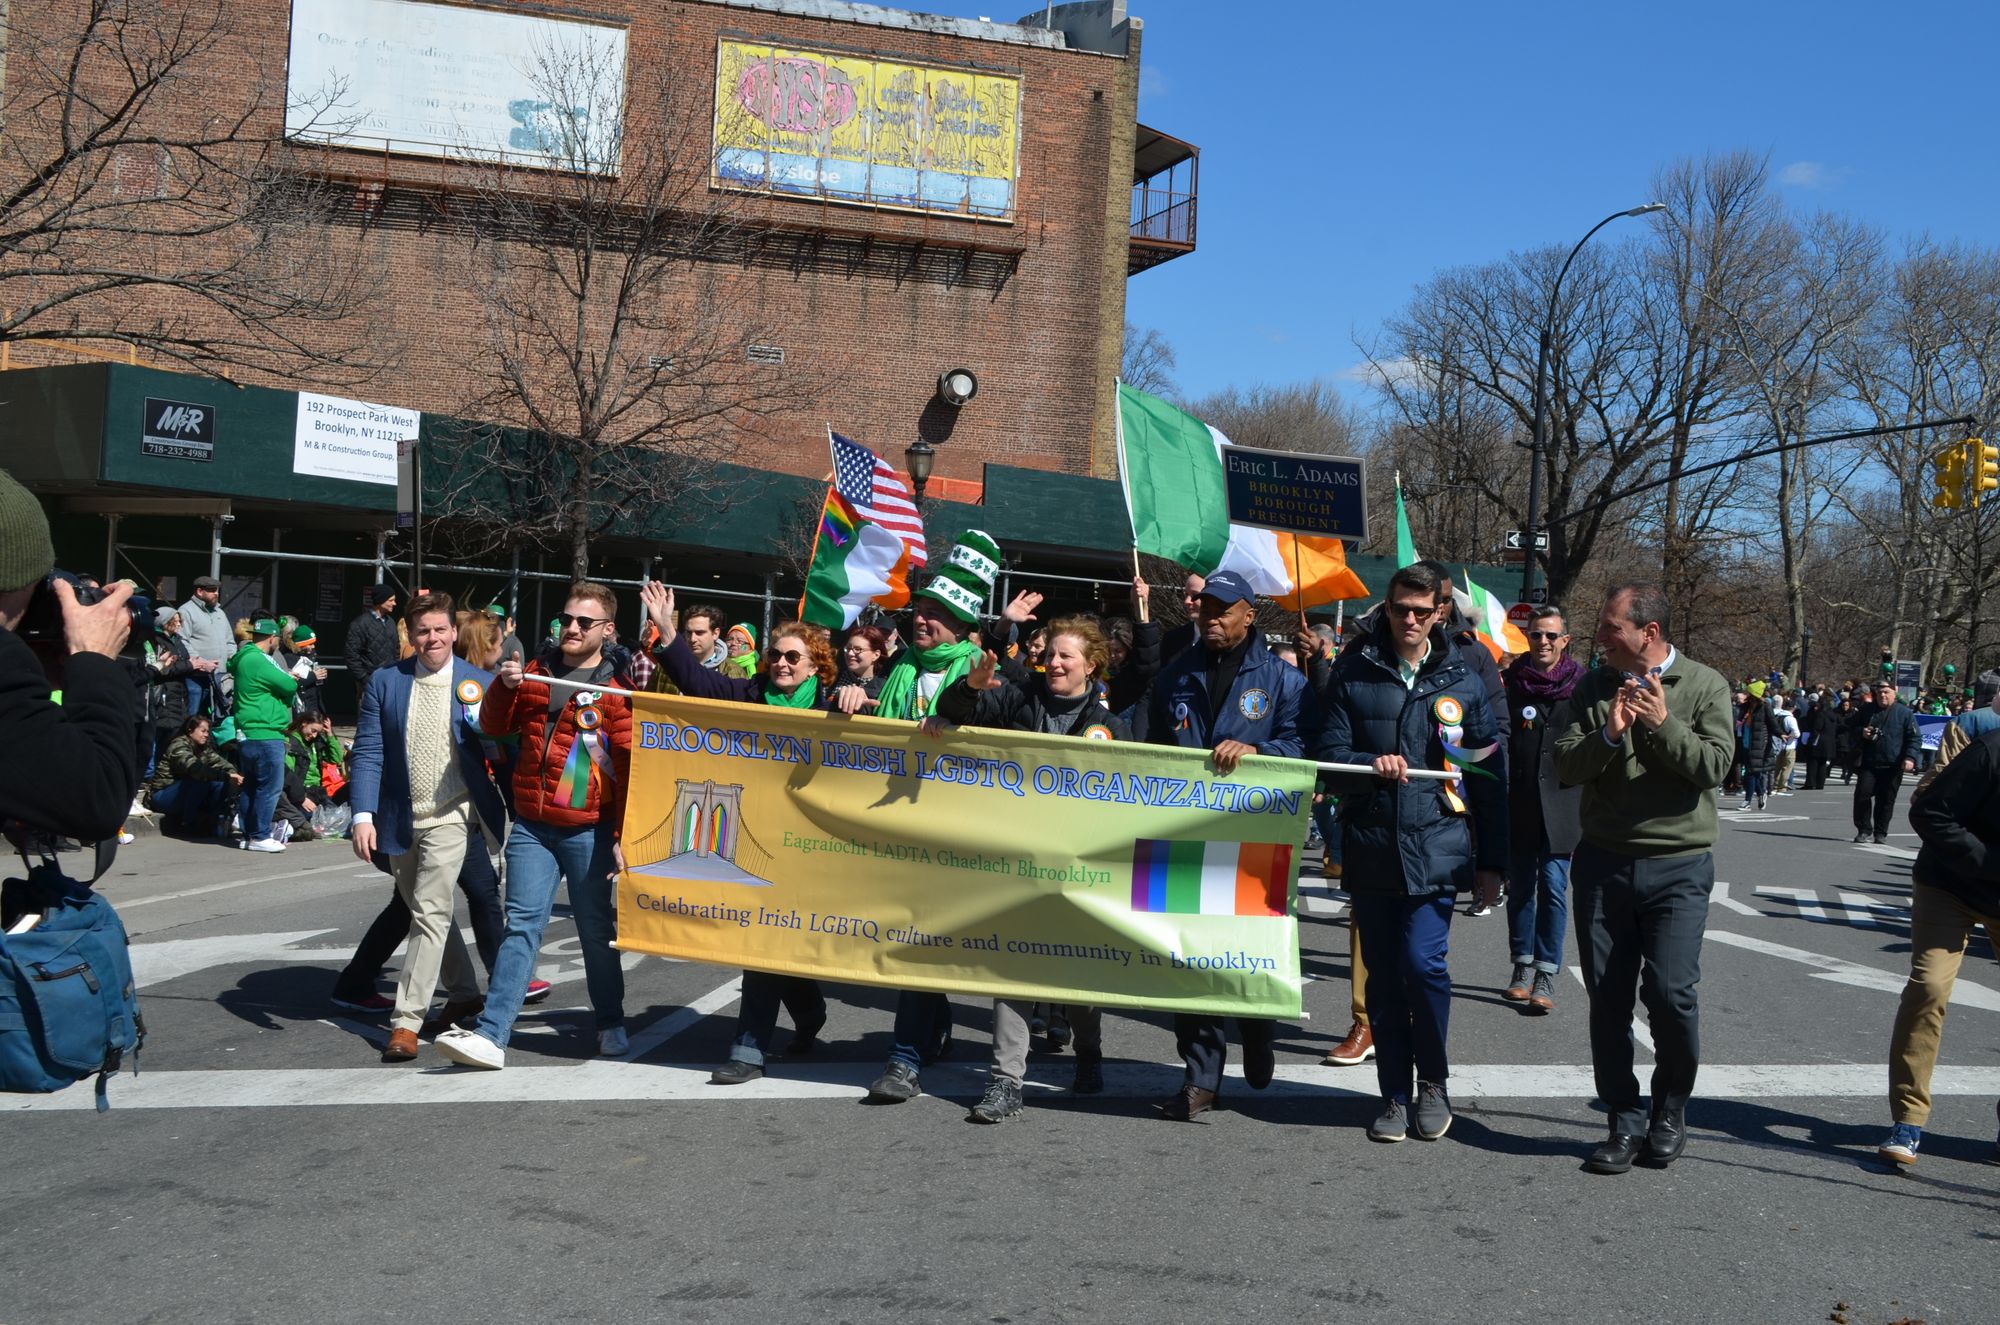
1322, 495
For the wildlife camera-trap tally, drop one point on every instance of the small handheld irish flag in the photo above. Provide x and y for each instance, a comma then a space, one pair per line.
1210, 878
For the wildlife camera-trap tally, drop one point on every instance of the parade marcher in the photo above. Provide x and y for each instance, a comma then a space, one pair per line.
1817, 741
205, 630
1786, 733
1227, 694
1756, 747
1886, 747
1648, 741
798, 673
1404, 698
702, 626
1062, 701
263, 713
1955, 888
510, 639
1130, 675
1185, 636
945, 611
421, 793
1543, 812
1846, 737
191, 782
863, 658
1962, 730
569, 803
373, 640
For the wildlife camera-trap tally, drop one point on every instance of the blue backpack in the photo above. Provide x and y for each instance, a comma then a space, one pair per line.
67, 1007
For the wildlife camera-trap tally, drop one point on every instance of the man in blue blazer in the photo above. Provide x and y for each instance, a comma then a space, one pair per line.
420, 794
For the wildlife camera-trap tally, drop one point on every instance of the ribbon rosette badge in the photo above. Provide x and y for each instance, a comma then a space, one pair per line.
1448, 711
1097, 732
588, 718
470, 691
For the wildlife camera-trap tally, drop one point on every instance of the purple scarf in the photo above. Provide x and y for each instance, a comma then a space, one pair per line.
1544, 688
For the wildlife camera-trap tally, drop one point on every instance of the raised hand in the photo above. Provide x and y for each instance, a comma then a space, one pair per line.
1022, 609
509, 674
980, 674
659, 601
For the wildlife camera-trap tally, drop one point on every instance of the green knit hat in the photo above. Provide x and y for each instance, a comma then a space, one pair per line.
26, 551
303, 634
967, 576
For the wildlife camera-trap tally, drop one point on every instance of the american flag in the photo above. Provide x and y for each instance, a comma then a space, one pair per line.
877, 493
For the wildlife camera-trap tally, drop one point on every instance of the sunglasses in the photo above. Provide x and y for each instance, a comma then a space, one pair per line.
1545, 634
583, 623
792, 656
1414, 611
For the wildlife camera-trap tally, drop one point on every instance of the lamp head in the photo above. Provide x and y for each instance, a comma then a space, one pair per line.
1647, 209
956, 386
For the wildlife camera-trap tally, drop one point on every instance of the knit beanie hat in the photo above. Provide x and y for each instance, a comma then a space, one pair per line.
962, 584
749, 634
303, 634
26, 551
1756, 688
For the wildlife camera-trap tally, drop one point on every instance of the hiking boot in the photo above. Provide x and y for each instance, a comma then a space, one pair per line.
1901, 1147
1433, 1110
1089, 1079
896, 1085
1542, 998
1392, 1125
1517, 988
1357, 1048
1001, 1101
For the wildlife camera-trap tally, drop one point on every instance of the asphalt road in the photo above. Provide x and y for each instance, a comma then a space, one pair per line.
265, 1165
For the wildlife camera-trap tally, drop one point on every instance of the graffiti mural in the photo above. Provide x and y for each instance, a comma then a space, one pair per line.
861, 130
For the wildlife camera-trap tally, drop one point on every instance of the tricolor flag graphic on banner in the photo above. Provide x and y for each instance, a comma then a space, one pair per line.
1210, 878
1170, 464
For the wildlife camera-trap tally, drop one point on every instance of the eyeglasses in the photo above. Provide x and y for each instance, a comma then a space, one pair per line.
1414, 611
792, 656
582, 623
1545, 634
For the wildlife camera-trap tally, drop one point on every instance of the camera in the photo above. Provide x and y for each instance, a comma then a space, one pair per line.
42, 624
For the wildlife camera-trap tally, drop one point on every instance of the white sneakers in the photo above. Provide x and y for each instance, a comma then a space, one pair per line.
470, 1049
281, 831
612, 1043
264, 844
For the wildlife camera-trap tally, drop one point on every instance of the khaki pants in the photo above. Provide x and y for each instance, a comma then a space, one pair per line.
427, 880
1010, 1035
1940, 928
1781, 772
1357, 985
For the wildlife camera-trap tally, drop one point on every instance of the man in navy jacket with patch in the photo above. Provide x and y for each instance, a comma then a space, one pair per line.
1405, 699
421, 794
1231, 696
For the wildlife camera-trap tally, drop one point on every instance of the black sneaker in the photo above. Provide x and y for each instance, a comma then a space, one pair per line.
1881, 839
1089, 1078
1432, 1111
1001, 1101
734, 1073
896, 1085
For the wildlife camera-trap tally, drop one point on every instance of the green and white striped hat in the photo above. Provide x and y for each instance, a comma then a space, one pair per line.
966, 578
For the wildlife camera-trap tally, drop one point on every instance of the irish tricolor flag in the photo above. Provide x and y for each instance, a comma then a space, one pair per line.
1171, 466
1210, 878
855, 562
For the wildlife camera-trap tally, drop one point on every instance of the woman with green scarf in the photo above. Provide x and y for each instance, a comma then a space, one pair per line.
797, 672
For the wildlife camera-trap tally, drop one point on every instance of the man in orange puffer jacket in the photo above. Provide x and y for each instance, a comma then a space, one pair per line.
569, 802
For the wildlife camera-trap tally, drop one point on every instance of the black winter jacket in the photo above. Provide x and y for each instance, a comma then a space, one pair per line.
1023, 708
166, 693
69, 768
1404, 838
1896, 737
371, 643
1958, 818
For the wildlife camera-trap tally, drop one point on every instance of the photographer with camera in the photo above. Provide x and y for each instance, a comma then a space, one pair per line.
67, 768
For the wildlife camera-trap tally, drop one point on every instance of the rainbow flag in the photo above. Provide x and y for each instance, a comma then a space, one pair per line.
1210, 878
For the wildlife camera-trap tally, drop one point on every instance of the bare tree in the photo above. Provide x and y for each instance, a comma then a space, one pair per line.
1149, 362
619, 365
142, 203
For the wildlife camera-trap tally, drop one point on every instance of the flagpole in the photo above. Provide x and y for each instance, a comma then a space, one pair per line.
1299, 582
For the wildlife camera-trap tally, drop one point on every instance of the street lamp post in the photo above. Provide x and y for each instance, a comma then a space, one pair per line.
1538, 444
920, 455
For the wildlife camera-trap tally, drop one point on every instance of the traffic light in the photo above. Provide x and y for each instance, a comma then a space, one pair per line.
1951, 475
1982, 468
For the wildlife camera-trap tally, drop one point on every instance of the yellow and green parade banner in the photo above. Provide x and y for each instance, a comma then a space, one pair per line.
978, 862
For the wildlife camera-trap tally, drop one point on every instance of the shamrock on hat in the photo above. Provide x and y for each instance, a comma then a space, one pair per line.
963, 582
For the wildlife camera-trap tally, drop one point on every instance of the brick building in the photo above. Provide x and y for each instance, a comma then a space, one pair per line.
890, 194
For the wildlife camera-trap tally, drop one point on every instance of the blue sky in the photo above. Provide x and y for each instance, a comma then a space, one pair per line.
1351, 150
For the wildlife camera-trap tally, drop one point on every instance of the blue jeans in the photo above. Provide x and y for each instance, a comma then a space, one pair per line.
1404, 942
923, 1029
538, 857
188, 800
757, 1019
263, 765
197, 692
1537, 909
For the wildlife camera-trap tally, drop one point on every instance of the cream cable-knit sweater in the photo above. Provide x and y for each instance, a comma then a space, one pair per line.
435, 784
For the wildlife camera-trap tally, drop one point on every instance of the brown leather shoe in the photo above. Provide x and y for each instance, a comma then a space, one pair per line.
1542, 998
402, 1047
1188, 1104
1357, 1048
1517, 988
452, 1013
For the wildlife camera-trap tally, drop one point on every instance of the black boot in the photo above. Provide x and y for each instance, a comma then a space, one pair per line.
1616, 1155
1666, 1138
